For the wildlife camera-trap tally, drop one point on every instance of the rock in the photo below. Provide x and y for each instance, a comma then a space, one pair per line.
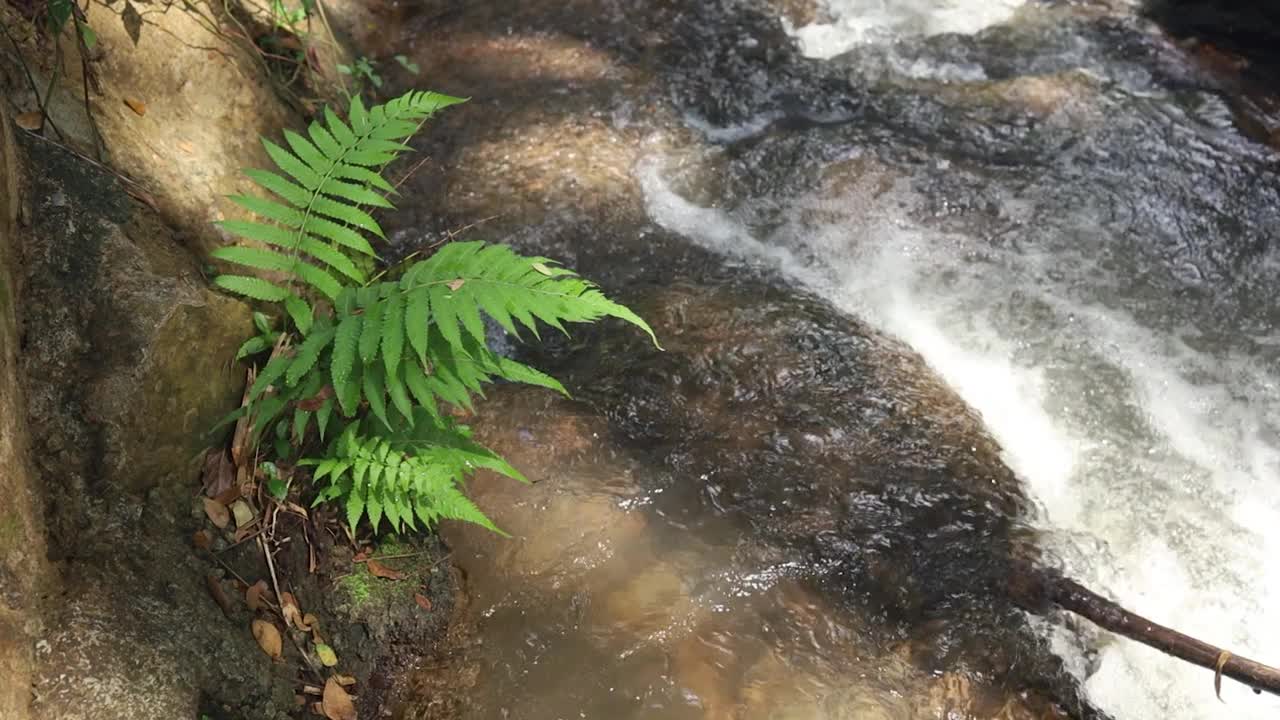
207, 102
127, 361
130, 355
22, 563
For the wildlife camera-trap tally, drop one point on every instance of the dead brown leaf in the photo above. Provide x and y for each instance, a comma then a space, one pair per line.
292, 613
1223, 657
382, 571
228, 496
214, 583
257, 594
423, 601
313, 404
217, 512
337, 703
345, 680
30, 120
311, 624
268, 637
201, 540
218, 475
361, 556
136, 105
243, 513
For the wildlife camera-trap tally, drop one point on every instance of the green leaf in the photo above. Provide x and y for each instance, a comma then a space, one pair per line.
344, 349
358, 116
398, 394
269, 234
340, 234
339, 129
446, 319
373, 506
371, 335
300, 312
277, 488
308, 354
309, 153
326, 655
516, 372
292, 165
296, 195
392, 333
283, 214
255, 258
355, 508
253, 346
270, 373
415, 321
375, 392
252, 287
87, 34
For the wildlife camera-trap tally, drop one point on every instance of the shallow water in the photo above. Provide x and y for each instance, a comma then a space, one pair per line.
786, 515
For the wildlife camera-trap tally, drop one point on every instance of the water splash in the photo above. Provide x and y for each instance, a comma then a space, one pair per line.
858, 22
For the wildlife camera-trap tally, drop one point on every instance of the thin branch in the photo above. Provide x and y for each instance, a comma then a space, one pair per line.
35, 89
1035, 588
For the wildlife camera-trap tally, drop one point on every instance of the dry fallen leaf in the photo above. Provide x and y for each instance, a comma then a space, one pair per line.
243, 513
361, 556
382, 571
136, 105
256, 596
345, 680
30, 120
337, 703
268, 638
327, 656
1223, 657
218, 474
217, 512
311, 624
214, 583
423, 601
201, 540
228, 496
314, 403
292, 613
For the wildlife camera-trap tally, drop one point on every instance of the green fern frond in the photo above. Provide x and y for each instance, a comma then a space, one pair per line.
314, 208
398, 478
465, 278
370, 360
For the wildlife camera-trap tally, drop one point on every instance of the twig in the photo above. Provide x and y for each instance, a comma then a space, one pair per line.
35, 89
101, 166
1035, 588
86, 75
271, 566
410, 172
227, 567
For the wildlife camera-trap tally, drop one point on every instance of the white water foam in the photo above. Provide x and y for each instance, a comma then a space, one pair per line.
858, 22
1155, 464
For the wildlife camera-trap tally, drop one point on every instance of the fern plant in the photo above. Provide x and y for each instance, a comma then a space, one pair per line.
371, 364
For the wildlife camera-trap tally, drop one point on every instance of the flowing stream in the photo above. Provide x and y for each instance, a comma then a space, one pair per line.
785, 516
1110, 309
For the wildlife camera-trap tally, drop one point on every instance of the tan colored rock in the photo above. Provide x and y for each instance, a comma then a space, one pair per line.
22, 556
